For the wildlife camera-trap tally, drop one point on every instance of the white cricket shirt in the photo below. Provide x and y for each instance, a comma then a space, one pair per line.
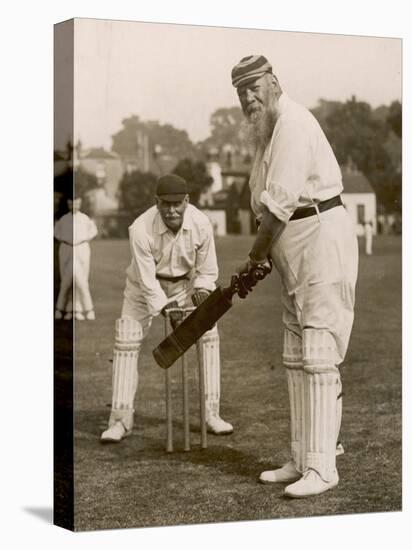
75, 228
298, 166
157, 251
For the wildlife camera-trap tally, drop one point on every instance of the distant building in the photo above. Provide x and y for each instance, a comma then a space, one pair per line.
108, 170
215, 172
217, 217
359, 198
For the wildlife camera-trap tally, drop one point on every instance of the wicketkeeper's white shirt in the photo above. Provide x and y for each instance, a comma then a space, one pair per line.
158, 252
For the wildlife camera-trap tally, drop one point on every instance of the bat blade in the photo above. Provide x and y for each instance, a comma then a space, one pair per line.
193, 327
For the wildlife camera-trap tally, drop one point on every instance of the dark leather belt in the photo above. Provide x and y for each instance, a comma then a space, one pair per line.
307, 211
173, 279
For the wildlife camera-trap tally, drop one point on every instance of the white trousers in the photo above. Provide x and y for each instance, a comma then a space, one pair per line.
317, 258
74, 263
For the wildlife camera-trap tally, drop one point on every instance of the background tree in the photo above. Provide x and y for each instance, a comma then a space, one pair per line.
195, 173
73, 183
395, 118
362, 135
137, 192
225, 129
128, 142
173, 142
125, 141
225, 125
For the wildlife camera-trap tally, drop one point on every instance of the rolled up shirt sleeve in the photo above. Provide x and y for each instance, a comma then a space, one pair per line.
145, 267
288, 169
206, 269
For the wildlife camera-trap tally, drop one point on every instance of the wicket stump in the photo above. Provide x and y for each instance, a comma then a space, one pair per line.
185, 393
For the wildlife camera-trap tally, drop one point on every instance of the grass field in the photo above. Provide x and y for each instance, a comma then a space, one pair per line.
137, 484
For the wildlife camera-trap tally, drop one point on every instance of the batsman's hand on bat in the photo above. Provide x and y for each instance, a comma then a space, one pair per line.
199, 296
176, 317
244, 280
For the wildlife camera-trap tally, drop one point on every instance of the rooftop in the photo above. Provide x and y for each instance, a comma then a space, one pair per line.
355, 181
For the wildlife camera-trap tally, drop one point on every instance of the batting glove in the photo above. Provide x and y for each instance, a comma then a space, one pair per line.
199, 296
176, 317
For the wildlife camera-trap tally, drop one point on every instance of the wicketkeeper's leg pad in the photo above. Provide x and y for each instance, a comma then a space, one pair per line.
128, 342
322, 387
210, 344
293, 361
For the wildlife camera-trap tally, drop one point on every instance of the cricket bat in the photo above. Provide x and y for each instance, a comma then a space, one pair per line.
205, 316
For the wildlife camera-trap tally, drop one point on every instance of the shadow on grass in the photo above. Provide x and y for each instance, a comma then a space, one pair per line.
147, 443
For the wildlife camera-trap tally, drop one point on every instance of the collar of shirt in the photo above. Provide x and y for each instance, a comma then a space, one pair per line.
160, 227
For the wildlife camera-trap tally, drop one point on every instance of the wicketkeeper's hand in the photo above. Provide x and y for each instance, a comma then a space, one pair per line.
199, 296
176, 317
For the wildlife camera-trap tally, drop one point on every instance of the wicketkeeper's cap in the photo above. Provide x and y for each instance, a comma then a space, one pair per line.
171, 188
249, 69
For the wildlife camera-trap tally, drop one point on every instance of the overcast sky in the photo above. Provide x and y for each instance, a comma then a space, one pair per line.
180, 74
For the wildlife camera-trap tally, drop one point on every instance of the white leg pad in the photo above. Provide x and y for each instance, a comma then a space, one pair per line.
322, 387
125, 375
292, 360
211, 365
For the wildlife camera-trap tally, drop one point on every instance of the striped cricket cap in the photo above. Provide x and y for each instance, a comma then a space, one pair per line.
249, 69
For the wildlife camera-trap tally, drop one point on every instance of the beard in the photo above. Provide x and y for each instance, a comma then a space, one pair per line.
258, 128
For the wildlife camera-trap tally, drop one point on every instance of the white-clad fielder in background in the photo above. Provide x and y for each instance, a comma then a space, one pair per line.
173, 264
368, 229
74, 231
295, 194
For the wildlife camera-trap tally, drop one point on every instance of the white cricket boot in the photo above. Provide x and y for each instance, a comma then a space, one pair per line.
58, 315
311, 484
90, 315
79, 316
115, 433
218, 426
286, 474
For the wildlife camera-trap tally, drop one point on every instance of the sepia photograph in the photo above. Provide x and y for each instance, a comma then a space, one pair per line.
227, 242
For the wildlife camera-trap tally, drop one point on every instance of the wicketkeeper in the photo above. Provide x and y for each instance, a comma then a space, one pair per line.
173, 265
295, 187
